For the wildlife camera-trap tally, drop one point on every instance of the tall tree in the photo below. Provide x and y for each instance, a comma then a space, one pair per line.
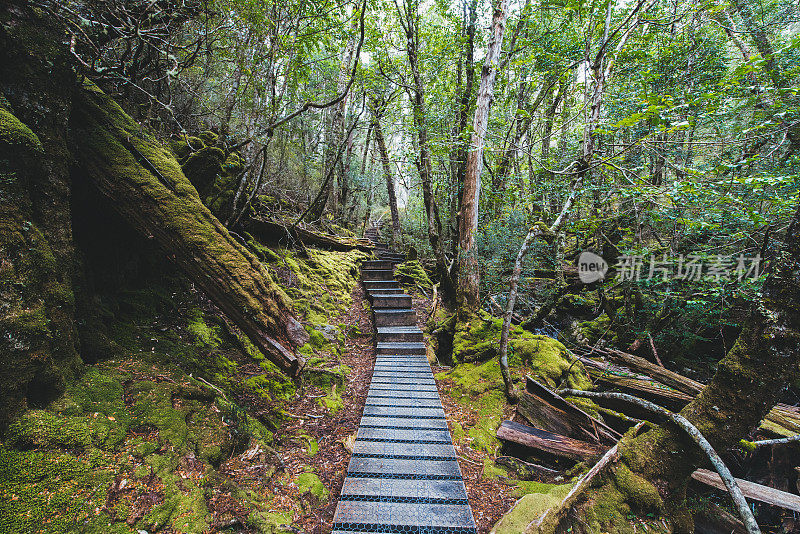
409, 20
468, 298
377, 110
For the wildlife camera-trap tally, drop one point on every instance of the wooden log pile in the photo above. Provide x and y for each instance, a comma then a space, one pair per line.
551, 429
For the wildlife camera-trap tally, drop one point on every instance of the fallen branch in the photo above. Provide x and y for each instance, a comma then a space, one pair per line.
757, 492
779, 441
727, 478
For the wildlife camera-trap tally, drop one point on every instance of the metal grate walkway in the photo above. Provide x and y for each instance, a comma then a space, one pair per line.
403, 475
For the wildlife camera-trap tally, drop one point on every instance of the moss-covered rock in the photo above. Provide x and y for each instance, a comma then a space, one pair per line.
479, 338
532, 505
311, 484
411, 274
36, 300
203, 167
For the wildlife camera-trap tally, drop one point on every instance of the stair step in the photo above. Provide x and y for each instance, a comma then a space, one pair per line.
381, 284
377, 274
391, 256
403, 517
385, 292
400, 348
384, 300
400, 334
395, 317
377, 264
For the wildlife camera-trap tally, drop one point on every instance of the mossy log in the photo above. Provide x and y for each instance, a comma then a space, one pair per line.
146, 186
274, 232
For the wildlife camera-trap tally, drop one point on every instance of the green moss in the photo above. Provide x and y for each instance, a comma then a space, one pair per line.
209, 137
313, 446
272, 386
317, 339
54, 491
321, 284
309, 482
492, 471
16, 135
747, 446
639, 492
332, 401
36, 316
532, 505
479, 387
205, 336
327, 377
478, 340
591, 331
271, 522
184, 506
411, 273
203, 167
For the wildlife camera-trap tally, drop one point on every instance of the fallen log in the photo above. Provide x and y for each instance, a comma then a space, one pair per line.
647, 389
145, 185
783, 420
529, 471
549, 442
751, 490
267, 231
547, 410
665, 376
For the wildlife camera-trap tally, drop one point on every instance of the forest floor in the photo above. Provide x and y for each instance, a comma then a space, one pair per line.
314, 440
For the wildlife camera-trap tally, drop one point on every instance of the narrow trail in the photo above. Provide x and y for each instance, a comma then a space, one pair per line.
403, 475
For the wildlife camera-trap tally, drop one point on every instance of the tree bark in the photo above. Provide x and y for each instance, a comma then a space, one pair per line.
387, 170
467, 297
409, 22
146, 187
334, 136
38, 328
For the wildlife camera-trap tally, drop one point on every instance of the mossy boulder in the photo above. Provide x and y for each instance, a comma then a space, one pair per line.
479, 338
36, 299
412, 274
531, 506
203, 167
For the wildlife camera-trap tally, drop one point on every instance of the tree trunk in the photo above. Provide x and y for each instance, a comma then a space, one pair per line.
146, 187
387, 170
334, 136
468, 277
38, 330
424, 161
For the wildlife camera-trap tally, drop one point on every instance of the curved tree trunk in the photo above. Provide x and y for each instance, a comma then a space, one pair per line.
146, 186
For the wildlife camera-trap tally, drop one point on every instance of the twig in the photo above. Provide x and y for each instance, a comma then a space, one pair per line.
727, 478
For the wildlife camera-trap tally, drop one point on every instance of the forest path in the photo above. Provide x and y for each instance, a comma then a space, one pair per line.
403, 475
